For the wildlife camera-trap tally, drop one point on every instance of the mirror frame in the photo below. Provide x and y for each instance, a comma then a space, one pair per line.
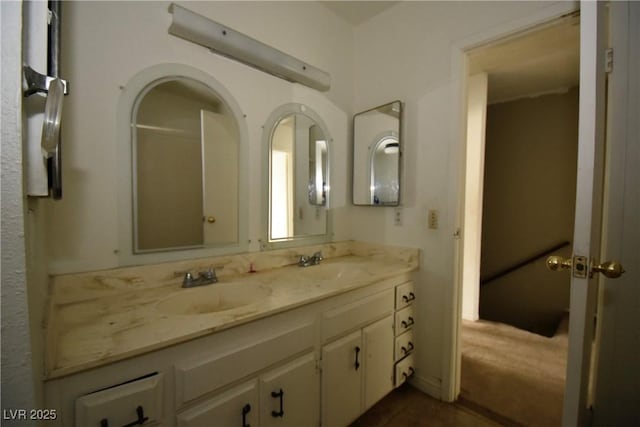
267, 131
369, 156
126, 113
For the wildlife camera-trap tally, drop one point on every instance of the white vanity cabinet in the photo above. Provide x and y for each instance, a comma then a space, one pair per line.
319, 364
290, 394
357, 369
404, 343
287, 396
235, 407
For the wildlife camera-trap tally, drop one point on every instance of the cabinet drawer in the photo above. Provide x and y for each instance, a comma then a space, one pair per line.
235, 407
200, 375
404, 319
405, 295
355, 315
122, 404
404, 369
403, 345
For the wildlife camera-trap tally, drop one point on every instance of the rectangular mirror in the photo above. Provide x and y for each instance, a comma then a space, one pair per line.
376, 155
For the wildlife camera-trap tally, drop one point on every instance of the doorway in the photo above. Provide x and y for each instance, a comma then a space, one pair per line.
521, 160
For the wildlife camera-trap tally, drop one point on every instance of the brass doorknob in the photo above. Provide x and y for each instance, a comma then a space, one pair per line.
211, 219
555, 263
611, 269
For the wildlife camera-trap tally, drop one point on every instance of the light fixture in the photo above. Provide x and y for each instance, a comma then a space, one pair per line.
233, 44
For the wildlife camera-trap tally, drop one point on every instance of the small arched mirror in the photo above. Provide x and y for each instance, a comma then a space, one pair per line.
185, 167
376, 155
298, 175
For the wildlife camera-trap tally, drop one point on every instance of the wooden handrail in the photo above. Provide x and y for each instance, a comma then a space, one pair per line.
521, 264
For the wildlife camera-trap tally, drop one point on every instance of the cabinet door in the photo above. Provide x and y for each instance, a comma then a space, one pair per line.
237, 407
342, 380
290, 395
378, 364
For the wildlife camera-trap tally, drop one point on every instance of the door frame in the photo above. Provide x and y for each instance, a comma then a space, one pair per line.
451, 357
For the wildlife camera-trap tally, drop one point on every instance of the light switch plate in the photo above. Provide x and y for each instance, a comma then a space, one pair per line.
432, 219
397, 216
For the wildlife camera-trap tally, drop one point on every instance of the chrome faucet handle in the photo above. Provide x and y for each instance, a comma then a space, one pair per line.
210, 275
188, 280
303, 261
316, 258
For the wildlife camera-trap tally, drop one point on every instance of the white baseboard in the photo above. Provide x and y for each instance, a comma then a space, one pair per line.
430, 385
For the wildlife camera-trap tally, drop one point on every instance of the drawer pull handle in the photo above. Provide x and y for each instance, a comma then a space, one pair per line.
245, 410
408, 348
408, 298
280, 394
411, 371
357, 364
141, 419
406, 323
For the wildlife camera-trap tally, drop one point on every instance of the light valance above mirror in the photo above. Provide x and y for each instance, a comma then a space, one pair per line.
377, 149
297, 144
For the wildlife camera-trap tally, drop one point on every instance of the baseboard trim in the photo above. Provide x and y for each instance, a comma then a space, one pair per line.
429, 385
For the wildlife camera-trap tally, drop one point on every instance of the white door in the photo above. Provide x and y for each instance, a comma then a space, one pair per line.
588, 216
617, 388
219, 178
290, 394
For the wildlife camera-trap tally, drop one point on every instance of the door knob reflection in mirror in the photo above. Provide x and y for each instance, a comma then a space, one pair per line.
555, 263
611, 269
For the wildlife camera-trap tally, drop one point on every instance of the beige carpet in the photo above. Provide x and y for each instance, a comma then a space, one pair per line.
514, 373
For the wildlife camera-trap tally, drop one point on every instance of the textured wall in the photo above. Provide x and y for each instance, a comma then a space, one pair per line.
17, 370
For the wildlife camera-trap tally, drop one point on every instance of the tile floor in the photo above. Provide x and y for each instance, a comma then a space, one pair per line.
409, 407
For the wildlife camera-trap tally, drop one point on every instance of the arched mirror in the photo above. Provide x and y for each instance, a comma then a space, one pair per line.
376, 155
185, 158
298, 145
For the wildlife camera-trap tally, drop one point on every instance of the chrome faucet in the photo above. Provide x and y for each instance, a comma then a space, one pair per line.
316, 258
204, 278
306, 261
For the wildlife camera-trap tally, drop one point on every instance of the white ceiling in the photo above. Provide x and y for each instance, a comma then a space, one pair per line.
542, 61
534, 63
358, 11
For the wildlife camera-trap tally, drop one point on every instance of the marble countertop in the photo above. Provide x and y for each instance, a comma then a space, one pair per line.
102, 317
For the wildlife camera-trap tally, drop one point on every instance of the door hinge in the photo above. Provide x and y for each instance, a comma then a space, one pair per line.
608, 60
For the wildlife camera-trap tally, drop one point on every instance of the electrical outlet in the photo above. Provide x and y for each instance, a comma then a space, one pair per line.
397, 216
433, 219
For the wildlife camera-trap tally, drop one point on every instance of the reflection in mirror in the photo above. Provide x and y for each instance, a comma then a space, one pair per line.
298, 177
376, 156
185, 167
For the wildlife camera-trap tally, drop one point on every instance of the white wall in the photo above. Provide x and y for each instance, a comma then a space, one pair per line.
20, 387
476, 121
106, 43
413, 60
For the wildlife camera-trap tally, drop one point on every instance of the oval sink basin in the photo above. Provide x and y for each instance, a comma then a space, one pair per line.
213, 298
334, 269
